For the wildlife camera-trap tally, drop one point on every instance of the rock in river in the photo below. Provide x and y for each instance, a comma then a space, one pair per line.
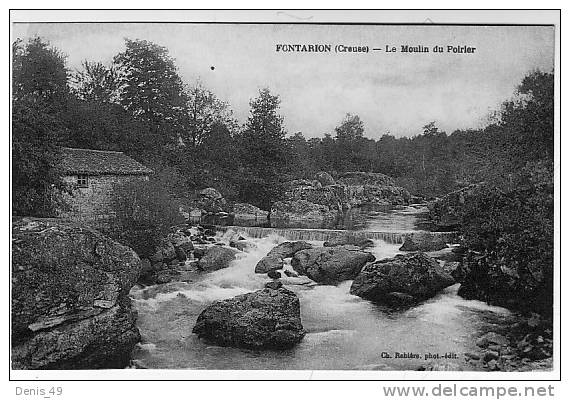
330, 265
217, 257
268, 264
274, 259
288, 249
70, 304
301, 210
414, 274
265, 319
423, 241
247, 211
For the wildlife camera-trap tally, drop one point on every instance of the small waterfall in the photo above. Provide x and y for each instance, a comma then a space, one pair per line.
327, 234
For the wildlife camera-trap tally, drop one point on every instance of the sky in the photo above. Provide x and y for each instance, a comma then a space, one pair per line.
394, 93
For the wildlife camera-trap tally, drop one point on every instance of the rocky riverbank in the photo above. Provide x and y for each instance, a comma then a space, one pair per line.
322, 199
325, 199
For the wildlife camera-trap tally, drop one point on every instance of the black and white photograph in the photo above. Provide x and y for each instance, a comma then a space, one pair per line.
294, 193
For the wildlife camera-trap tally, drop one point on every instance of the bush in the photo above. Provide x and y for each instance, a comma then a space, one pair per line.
144, 212
511, 227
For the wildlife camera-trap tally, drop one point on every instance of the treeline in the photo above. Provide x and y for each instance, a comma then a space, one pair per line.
139, 104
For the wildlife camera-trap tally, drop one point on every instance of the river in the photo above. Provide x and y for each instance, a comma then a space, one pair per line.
344, 332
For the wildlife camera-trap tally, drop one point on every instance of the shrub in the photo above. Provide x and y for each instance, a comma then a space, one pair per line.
144, 212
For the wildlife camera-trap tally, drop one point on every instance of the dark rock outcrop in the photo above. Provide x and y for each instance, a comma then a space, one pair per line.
217, 257
525, 287
324, 178
369, 188
274, 259
265, 319
301, 210
164, 253
423, 241
249, 212
268, 263
241, 245
325, 200
274, 274
212, 201
182, 241
330, 265
414, 274
288, 249
70, 304
274, 285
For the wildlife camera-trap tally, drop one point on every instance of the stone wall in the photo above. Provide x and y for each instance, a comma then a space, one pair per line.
94, 202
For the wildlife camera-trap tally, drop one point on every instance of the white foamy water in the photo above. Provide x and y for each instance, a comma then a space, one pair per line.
343, 331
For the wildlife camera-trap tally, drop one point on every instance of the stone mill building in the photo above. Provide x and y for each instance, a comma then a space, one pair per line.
92, 175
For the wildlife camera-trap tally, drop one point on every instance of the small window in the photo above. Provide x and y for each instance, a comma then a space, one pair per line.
82, 181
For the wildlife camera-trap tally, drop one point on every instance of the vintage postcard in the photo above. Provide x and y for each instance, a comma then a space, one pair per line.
284, 195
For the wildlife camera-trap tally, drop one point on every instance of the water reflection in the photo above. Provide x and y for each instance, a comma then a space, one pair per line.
369, 218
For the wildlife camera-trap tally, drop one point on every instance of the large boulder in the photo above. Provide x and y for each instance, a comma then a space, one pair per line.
365, 178
165, 252
414, 274
324, 178
372, 189
267, 264
322, 199
288, 249
274, 259
332, 197
210, 193
301, 210
330, 265
265, 319
70, 303
217, 257
242, 245
180, 240
212, 202
248, 211
423, 241
351, 240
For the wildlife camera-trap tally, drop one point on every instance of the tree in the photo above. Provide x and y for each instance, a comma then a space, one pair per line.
350, 129
151, 89
94, 117
39, 72
527, 121
40, 94
349, 152
96, 82
264, 152
204, 110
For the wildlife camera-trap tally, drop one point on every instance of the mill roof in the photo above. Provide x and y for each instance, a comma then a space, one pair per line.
100, 162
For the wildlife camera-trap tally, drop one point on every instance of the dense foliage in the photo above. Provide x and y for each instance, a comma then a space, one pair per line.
144, 215
507, 221
40, 91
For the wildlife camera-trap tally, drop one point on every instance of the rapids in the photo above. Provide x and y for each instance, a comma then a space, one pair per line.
343, 331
